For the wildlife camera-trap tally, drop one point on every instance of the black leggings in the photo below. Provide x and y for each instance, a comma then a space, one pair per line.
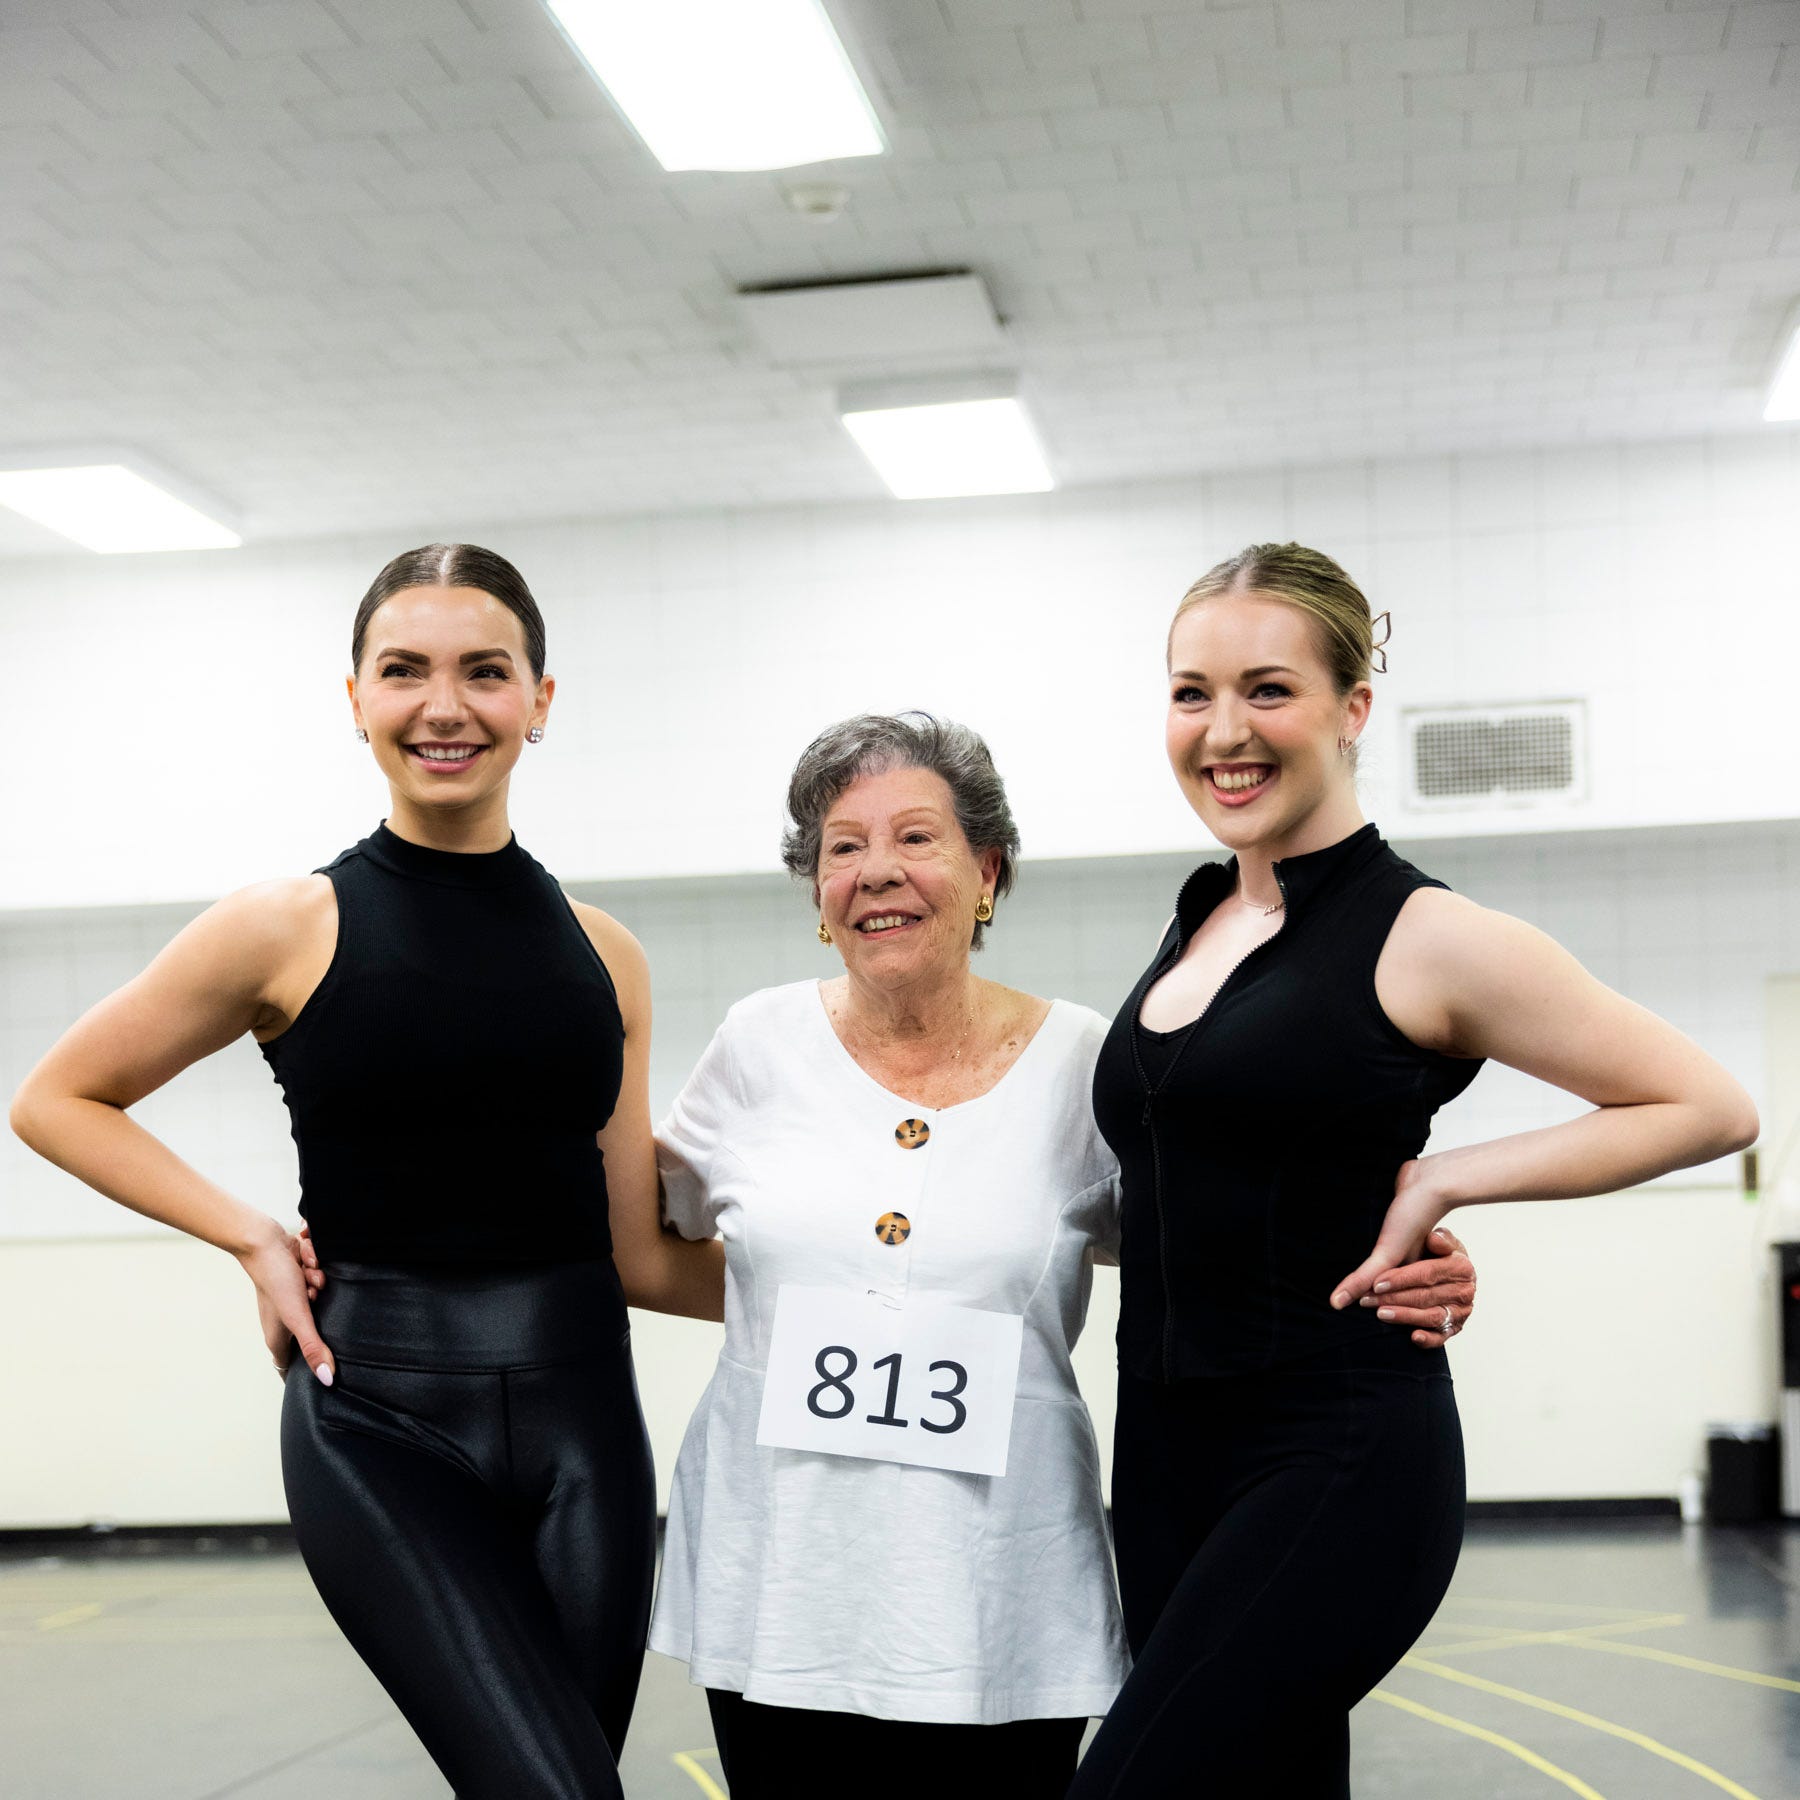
1282, 1540
474, 1499
792, 1753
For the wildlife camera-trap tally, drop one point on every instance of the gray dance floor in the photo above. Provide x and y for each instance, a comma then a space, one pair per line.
1620, 1661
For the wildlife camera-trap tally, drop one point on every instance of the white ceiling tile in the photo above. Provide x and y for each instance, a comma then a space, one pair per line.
1254, 71
1700, 29
1762, 22
1452, 237
1437, 53
1094, 45
1099, 125
1449, 15
273, 26
1751, 65
1609, 78
1132, 84
970, 55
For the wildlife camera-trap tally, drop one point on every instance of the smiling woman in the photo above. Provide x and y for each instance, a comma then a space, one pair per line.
1268, 1087
887, 1548
453, 686
464, 1054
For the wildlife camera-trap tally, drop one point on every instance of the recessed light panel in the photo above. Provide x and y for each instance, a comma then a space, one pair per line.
1784, 391
725, 84
112, 509
958, 447
949, 318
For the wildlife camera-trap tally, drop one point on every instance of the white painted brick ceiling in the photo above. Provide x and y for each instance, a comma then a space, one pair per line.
396, 265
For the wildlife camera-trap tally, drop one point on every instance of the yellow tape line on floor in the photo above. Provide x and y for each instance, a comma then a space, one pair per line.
1511, 1746
1507, 1637
71, 1615
1674, 1657
1533, 1606
1594, 1723
684, 1761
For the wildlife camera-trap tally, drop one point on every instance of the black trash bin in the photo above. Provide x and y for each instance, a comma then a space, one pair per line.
1743, 1474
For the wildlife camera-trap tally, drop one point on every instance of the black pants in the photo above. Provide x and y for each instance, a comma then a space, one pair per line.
791, 1753
1282, 1540
474, 1499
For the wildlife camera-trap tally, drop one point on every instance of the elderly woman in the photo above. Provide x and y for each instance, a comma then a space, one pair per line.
887, 1554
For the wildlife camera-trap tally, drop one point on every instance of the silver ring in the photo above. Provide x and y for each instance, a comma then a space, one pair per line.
1448, 1328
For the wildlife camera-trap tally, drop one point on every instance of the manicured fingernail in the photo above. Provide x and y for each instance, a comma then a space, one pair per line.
1381, 1287
1340, 1300
1368, 1300
1439, 1231
323, 1371
1387, 1312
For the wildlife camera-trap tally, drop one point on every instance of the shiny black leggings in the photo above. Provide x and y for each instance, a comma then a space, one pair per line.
1282, 1540
474, 1499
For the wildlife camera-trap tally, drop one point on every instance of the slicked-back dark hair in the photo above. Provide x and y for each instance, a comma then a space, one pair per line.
453, 566
872, 744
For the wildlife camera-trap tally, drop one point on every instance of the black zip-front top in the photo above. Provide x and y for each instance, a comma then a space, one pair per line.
447, 1077
1259, 1149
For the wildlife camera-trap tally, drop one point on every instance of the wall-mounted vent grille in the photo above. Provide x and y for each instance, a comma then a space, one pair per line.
1480, 756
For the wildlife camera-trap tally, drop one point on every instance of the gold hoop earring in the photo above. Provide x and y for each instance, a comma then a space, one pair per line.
984, 910
824, 935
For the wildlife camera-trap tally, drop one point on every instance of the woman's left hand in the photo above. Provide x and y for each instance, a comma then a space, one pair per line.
1434, 1294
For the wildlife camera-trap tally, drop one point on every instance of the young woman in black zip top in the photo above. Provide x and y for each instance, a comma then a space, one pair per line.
1288, 1472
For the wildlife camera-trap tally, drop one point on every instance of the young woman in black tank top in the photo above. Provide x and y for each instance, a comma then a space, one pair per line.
464, 1053
1269, 1084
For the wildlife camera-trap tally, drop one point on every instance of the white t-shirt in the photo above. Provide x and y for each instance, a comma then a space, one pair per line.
804, 1579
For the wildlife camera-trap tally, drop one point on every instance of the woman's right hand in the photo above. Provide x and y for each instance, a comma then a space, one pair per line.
282, 1299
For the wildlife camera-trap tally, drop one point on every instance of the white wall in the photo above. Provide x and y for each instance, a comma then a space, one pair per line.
1609, 1334
189, 708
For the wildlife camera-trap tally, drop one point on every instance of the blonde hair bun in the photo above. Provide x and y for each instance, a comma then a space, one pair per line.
1310, 580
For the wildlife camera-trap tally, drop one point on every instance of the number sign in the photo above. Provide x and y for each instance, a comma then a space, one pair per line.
856, 1376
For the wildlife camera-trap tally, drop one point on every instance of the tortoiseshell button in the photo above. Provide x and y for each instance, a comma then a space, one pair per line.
909, 1134
893, 1228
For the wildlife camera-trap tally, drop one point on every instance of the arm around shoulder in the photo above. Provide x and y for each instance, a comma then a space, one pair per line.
658, 1269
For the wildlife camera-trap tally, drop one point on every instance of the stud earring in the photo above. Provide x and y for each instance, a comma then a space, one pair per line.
1345, 746
984, 910
362, 737
535, 735
824, 935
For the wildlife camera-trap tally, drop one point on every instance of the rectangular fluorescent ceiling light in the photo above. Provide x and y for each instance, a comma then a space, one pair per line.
112, 509
949, 319
945, 449
725, 84
1784, 392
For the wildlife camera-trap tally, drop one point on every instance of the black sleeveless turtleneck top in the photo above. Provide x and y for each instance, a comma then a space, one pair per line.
1258, 1147
447, 1076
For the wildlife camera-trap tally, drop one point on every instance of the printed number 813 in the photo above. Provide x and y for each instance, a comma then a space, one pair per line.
835, 1384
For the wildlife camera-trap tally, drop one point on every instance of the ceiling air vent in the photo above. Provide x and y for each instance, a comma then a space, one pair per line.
1467, 757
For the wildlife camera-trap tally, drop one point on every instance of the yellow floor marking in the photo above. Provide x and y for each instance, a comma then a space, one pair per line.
138, 1630
1594, 1723
1506, 1637
70, 1615
1511, 1746
1755, 1676
1563, 1606
684, 1761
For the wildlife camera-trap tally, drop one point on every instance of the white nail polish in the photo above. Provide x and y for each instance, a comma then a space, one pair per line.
323, 1371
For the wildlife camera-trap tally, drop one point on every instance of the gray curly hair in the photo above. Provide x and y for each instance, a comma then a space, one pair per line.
874, 743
